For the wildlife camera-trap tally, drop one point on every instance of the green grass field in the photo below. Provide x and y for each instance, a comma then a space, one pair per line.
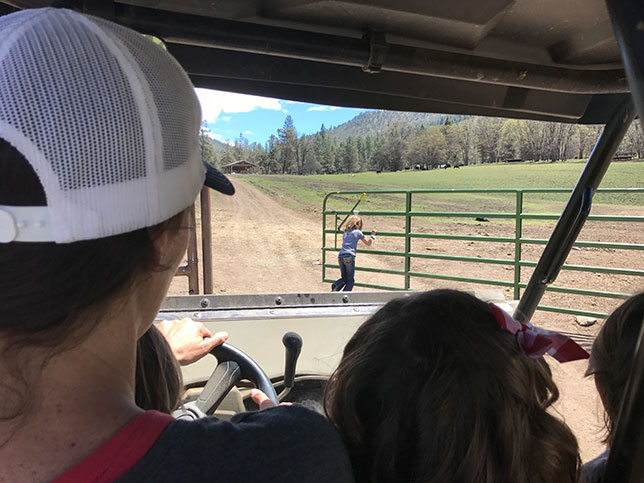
305, 193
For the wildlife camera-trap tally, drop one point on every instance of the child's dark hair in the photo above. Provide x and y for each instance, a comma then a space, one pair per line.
612, 355
159, 383
432, 389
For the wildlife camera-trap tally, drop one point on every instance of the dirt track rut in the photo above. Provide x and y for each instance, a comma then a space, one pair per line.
268, 247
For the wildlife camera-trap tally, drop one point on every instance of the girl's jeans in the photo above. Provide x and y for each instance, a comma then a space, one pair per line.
347, 273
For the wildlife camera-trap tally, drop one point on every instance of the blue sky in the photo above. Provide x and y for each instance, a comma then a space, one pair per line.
228, 114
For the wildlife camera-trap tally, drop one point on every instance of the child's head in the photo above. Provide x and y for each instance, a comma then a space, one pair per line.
432, 389
354, 222
612, 355
158, 376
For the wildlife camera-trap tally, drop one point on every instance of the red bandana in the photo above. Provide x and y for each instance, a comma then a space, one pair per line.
535, 342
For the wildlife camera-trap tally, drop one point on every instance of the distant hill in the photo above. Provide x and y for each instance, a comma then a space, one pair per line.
376, 122
219, 146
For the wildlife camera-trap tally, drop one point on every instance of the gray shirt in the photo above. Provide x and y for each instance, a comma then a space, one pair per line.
282, 444
350, 243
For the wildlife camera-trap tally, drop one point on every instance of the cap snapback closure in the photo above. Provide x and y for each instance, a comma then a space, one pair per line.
25, 224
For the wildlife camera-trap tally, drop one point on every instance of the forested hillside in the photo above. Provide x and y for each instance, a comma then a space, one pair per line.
218, 145
407, 140
372, 123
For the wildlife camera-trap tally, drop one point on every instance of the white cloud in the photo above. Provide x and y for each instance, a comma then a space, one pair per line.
248, 132
213, 103
225, 118
322, 108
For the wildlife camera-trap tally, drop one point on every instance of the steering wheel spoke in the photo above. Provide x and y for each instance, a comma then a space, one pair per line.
232, 366
221, 381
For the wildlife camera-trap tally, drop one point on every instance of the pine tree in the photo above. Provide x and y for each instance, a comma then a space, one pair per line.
361, 146
241, 148
288, 155
349, 156
269, 161
324, 151
208, 153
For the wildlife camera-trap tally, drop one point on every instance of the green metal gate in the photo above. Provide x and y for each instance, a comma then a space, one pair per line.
518, 215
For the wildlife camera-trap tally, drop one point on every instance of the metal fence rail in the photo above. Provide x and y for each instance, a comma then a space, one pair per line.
518, 240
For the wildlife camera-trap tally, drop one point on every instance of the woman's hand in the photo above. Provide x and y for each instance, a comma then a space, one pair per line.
189, 340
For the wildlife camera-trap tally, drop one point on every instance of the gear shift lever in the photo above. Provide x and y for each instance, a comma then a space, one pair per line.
293, 345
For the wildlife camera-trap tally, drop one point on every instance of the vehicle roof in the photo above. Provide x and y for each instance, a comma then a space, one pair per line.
535, 59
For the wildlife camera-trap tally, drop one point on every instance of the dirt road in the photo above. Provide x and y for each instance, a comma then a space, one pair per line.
273, 249
259, 246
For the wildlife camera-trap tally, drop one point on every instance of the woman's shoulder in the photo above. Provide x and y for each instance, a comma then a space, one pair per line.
258, 446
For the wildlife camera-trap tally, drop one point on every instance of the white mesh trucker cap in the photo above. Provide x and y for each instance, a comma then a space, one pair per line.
108, 120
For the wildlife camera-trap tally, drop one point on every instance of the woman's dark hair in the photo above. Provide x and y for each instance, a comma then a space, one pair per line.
611, 358
159, 383
44, 286
432, 389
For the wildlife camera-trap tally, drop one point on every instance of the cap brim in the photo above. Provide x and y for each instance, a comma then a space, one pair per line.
216, 180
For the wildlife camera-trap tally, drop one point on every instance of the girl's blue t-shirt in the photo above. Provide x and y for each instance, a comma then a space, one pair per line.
350, 243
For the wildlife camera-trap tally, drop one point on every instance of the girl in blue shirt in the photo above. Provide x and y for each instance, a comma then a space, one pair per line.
347, 255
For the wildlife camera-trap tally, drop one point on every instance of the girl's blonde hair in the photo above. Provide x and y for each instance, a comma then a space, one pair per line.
159, 384
432, 389
354, 222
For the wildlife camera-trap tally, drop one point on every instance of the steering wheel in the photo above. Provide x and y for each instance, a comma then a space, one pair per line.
232, 366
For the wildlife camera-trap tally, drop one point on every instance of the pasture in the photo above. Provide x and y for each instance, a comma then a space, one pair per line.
305, 193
